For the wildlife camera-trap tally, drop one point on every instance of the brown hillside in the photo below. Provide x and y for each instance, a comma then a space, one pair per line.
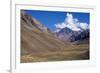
39, 44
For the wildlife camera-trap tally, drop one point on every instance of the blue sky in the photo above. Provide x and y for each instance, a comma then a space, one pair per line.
50, 18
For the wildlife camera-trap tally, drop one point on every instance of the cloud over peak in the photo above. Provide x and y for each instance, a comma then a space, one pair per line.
72, 23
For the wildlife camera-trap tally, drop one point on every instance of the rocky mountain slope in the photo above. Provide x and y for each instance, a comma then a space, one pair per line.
36, 37
69, 35
39, 44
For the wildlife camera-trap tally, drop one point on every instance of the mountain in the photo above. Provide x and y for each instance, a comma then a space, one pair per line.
37, 38
38, 43
32, 22
69, 35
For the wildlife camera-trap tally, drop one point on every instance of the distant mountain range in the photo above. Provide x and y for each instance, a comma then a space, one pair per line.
68, 35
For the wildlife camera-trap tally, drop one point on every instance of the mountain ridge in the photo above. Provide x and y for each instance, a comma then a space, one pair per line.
39, 44
69, 35
35, 35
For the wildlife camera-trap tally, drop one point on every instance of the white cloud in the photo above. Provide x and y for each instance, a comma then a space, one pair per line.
60, 25
72, 23
84, 26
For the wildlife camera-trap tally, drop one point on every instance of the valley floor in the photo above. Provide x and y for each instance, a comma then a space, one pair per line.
76, 52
